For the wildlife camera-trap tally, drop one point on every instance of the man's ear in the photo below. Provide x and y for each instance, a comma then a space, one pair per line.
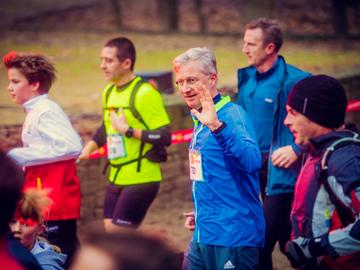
270, 48
35, 87
127, 63
213, 79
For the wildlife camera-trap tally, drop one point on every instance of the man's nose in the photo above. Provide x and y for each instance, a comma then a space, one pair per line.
185, 88
15, 227
287, 120
244, 49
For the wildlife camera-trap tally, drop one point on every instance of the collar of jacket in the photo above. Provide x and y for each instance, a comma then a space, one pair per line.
251, 70
31, 103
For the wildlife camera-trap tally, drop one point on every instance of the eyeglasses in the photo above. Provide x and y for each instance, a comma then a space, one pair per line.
189, 81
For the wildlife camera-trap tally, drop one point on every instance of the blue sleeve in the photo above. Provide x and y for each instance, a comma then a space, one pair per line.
298, 149
238, 144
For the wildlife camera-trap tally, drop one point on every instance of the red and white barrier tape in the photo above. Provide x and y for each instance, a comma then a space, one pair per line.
182, 136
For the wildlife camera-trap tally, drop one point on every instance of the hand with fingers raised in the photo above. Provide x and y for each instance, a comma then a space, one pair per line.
118, 122
208, 115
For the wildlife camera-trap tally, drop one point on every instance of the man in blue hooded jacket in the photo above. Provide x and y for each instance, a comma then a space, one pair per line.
262, 91
224, 159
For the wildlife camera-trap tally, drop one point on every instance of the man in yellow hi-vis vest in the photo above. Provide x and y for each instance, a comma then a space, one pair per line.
136, 130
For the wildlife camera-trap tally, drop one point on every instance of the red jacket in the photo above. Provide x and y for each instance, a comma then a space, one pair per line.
60, 177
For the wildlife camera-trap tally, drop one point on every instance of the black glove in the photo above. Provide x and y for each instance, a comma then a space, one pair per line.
301, 250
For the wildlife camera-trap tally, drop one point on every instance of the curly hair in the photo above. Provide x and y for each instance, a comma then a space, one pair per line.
34, 204
35, 67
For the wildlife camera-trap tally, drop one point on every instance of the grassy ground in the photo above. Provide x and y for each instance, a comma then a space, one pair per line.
80, 80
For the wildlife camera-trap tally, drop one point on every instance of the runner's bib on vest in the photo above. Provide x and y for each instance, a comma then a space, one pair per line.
115, 146
196, 173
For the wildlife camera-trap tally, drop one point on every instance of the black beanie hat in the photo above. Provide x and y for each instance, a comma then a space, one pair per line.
320, 98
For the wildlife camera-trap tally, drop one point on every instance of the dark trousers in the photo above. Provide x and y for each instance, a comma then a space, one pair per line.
277, 219
63, 233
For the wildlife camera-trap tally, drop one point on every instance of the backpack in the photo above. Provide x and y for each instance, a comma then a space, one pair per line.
346, 215
156, 153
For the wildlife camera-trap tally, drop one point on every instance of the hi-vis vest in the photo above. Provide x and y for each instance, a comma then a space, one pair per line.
149, 104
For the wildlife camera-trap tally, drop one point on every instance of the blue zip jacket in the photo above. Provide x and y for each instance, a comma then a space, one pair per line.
279, 180
228, 211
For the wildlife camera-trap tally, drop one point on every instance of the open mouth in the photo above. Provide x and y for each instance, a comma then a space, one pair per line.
190, 96
17, 237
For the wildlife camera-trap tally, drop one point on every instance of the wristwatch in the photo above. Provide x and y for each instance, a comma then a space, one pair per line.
130, 132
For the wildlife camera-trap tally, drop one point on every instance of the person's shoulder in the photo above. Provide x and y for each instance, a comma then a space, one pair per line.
147, 87
46, 105
147, 93
246, 72
294, 75
232, 111
51, 110
344, 164
49, 256
348, 155
294, 72
50, 103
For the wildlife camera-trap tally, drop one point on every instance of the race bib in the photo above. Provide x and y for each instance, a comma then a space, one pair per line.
115, 146
196, 173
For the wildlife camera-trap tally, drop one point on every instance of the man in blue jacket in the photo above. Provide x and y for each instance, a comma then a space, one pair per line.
263, 88
224, 159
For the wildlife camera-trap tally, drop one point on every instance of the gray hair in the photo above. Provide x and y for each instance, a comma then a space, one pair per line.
203, 55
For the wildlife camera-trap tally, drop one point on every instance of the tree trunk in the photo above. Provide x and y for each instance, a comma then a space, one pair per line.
202, 18
339, 17
116, 9
168, 10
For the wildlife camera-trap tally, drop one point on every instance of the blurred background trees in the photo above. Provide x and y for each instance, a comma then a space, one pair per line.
301, 18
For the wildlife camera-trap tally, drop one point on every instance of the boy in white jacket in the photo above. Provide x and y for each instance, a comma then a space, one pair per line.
50, 145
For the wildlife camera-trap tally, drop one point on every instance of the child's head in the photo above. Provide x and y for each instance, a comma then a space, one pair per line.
29, 75
27, 224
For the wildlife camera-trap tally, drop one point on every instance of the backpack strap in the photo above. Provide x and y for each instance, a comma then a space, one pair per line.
345, 214
137, 115
132, 107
